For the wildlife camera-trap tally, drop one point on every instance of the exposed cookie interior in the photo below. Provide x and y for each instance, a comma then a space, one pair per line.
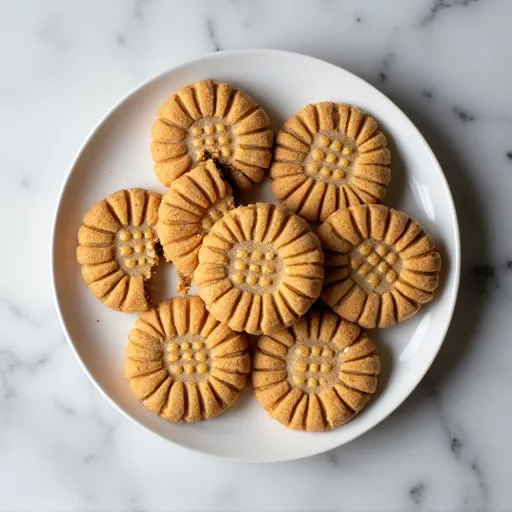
184, 282
225, 169
136, 250
212, 135
212, 138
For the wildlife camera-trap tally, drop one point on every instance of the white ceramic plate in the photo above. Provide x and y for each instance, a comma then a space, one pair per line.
116, 156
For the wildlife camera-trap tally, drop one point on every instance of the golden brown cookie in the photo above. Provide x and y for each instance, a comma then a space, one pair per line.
210, 119
183, 364
260, 268
329, 156
188, 211
316, 375
117, 248
379, 265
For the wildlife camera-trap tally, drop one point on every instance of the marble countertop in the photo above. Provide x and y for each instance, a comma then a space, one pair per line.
446, 63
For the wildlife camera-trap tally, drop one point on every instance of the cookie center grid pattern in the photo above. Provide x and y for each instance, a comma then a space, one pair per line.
216, 212
187, 358
331, 158
313, 365
136, 249
254, 267
210, 134
375, 266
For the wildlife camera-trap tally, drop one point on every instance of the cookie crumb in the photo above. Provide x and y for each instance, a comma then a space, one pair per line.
185, 282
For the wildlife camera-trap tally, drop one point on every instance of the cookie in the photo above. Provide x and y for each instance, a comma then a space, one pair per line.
183, 364
212, 120
187, 213
117, 248
260, 268
329, 156
379, 265
316, 375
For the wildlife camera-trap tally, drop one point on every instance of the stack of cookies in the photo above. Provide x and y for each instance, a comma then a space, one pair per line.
259, 268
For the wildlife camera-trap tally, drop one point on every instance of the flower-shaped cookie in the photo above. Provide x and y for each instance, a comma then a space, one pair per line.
260, 268
212, 120
188, 211
183, 364
316, 375
117, 248
379, 265
329, 156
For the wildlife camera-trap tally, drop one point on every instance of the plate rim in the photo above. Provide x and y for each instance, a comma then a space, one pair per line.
456, 263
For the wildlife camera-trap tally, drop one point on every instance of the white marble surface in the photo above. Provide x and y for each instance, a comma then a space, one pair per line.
446, 63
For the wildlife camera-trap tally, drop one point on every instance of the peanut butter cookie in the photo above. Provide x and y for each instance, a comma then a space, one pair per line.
329, 156
117, 248
316, 375
183, 364
379, 265
188, 211
212, 120
260, 268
